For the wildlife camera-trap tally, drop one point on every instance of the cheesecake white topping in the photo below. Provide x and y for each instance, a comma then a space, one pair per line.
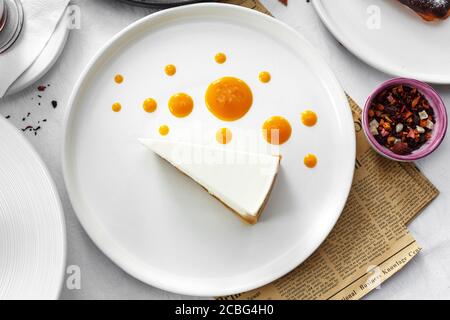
240, 180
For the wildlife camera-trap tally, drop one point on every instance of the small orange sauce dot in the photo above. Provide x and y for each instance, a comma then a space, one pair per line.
164, 130
181, 105
265, 77
310, 161
220, 58
277, 130
309, 118
224, 136
149, 105
116, 107
170, 70
118, 79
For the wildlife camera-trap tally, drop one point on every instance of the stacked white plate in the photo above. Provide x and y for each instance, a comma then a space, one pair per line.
32, 230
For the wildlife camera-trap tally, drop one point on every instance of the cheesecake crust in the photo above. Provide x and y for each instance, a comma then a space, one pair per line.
247, 218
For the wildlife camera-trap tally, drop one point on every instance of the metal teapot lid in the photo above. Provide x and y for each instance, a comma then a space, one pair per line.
11, 23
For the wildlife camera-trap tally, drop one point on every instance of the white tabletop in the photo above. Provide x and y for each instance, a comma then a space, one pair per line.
426, 277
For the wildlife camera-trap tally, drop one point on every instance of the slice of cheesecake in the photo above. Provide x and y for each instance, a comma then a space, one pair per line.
242, 181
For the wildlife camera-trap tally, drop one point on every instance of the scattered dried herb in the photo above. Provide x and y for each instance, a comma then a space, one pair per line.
31, 125
401, 119
32, 129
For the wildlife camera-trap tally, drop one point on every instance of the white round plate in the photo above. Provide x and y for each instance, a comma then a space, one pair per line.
156, 223
32, 229
46, 59
403, 45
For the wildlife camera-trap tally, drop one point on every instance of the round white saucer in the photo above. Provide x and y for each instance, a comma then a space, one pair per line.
46, 60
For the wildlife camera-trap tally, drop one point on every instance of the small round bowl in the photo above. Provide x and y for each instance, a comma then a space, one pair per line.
438, 132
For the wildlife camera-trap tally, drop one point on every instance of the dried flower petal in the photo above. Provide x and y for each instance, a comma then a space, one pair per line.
423, 115
395, 112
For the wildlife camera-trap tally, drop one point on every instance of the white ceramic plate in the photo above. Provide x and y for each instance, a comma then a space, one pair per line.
157, 224
32, 230
404, 45
46, 59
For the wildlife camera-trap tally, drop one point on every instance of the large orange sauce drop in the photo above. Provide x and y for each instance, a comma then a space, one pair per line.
181, 105
277, 130
229, 98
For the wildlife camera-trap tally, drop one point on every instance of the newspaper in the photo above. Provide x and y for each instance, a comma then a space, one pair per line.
370, 242
252, 4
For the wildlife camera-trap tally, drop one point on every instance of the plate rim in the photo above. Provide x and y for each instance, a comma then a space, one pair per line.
98, 236
350, 45
27, 144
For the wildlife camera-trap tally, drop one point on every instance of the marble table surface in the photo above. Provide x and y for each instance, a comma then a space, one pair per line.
426, 277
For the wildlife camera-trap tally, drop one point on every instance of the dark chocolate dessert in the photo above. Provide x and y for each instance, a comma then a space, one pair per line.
429, 10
